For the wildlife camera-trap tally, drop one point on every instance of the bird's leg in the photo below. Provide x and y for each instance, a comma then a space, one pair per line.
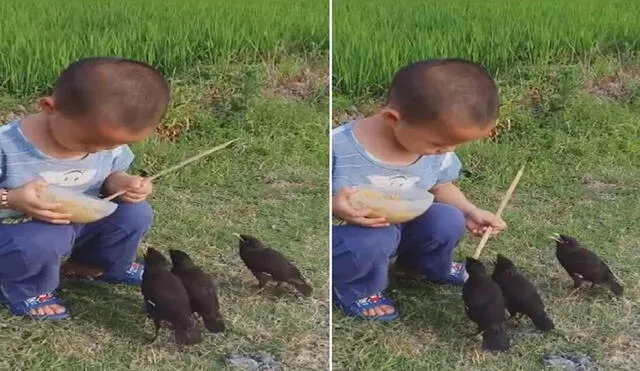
577, 281
156, 323
475, 333
263, 279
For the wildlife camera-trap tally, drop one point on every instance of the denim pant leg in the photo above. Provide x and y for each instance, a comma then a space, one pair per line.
111, 243
361, 260
428, 241
30, 256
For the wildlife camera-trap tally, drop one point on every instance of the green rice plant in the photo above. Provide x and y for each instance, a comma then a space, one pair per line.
37, 39
373, 38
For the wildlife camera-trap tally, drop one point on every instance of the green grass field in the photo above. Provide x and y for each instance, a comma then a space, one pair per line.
273, 183
372, 41
574, 123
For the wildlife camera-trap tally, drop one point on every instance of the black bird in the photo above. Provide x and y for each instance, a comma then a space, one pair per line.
484, 305
202, 291
166, 299
520, 296
266, 263
584, 265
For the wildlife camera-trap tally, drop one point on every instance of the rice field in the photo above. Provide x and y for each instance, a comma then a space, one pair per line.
252, 70
372, 39
569, 79
38, 38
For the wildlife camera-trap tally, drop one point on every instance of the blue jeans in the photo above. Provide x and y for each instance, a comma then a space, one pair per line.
361, 255
31, 252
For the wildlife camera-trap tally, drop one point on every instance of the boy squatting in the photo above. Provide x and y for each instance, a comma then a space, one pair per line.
432, 107
78, 140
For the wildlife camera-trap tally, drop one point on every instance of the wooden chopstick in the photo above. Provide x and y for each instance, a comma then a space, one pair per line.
503, 204
176, 167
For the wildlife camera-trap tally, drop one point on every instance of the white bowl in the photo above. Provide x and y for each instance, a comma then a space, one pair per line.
83, 208
395, 205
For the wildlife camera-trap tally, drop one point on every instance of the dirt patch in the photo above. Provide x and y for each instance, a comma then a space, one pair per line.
623, 353
17, 112
616, 87
172, 131
304, 84
354, 113
501, 127
595, 184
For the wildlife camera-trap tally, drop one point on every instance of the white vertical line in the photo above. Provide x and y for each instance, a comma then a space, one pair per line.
330, 181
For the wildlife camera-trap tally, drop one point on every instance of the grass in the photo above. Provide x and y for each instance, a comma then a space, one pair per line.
272, 183
372, 39
577, 133
38, 40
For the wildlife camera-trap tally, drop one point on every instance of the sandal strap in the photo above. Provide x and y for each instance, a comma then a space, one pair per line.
357, 308
24, 307
372, 301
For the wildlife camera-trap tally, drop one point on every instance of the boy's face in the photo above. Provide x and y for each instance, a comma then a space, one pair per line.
90, 135
426, 139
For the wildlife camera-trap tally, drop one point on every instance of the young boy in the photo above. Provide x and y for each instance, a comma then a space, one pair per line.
78, 140
432, 107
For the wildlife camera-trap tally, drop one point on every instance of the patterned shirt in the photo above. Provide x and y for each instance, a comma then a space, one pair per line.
21, 162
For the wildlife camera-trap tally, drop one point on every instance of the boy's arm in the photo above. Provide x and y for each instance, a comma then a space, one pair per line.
449, 193
121, 160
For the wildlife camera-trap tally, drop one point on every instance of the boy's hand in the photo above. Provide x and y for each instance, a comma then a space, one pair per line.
343, 209
137, 188
26, 199
479, 220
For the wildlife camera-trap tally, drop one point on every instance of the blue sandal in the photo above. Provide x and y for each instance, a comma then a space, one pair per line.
357, 308
23, 308
458, 275
132, 276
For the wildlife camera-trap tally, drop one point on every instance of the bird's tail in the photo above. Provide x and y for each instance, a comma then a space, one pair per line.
214, 322
495, 339
542, 321
615, 287
188, 335
302, 287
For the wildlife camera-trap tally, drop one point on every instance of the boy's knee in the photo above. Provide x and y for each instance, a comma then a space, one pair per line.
22, 257
135, 216
449, 222
366, 245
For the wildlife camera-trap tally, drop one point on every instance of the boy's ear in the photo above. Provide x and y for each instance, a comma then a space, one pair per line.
390, 116
47, 104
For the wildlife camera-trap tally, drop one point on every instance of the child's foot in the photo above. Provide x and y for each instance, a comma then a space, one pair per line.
457, 276
44, 307
375, 307
132, 276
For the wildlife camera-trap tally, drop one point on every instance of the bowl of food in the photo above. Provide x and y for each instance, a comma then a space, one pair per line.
83, 208
395, 205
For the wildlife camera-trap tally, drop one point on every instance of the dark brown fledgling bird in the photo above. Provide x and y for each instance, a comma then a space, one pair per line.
266, 263
484, 305
584, 265
166, 299
520, 296
202, 291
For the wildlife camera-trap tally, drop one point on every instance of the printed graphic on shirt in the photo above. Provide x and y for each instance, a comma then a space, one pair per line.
70, 178
394, 182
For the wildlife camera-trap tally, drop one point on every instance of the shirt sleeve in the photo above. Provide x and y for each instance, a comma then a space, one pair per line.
122, 159
450, 169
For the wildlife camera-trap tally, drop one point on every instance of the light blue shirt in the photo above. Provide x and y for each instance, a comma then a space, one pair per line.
21, 162
353, 166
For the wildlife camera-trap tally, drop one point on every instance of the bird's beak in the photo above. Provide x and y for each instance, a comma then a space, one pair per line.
237, 235
556, 237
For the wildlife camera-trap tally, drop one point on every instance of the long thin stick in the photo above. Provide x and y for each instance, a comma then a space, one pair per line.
503, 204
176, 167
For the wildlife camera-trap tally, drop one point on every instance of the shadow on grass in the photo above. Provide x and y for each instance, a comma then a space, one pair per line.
115, 308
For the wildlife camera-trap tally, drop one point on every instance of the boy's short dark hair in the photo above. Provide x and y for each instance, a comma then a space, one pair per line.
124, 91
426, 90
